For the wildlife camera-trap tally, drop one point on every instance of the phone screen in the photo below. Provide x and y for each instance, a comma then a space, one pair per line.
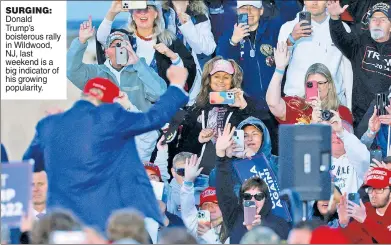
243, 18
305, 16
250, 210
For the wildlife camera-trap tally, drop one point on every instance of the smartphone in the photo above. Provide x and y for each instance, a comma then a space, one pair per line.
239, 139
305, 16
354, 197
222, 98
134, 4
204, 217
376, 154
311, 90
121, 54
67, 237
158, 189
243, 18
250, 210
381, 103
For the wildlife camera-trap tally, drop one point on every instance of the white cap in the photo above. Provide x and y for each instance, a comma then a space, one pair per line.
257, 4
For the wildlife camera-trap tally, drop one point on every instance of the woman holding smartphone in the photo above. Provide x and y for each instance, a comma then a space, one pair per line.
150, 40
311, 108
222, 80
254, 194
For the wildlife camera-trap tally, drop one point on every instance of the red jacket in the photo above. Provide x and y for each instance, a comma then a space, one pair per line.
375, 227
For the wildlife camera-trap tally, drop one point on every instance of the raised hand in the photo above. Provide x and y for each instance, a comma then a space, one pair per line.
163, 49
374, 122
357, 212
342, 209
335, 10
281, 55
224, 140
177, 75
86, 30
192, 168
336, 122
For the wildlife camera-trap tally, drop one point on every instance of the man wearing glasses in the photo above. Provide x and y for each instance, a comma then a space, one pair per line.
370, 55
371, 221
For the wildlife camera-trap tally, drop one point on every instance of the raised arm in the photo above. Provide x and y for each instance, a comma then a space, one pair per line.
346, 42
228, 202
273, 95
129, 123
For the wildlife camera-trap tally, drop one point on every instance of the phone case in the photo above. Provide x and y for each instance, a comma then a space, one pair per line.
239, 140
121, 55
305, 16
204, 217
354, 197
134, 4
243, 18
250, 210
221, 98
311, 91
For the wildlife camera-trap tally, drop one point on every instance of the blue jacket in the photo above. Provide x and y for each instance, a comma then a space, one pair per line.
4, 156
142, 84
91, 160
257, 73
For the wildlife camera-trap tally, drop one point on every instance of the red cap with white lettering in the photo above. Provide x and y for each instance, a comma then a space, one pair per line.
378, 178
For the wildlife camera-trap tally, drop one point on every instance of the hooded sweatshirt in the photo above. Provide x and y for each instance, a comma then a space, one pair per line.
232, 208
371, 63
265, 149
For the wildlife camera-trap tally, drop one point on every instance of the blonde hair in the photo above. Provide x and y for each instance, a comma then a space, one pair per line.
196, 6
163, 35
127, 223
331, 102
237, 78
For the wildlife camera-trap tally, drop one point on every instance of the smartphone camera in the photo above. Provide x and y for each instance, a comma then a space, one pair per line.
310, 84
118, 45
230, 95
125, 5
201, 215
326, 115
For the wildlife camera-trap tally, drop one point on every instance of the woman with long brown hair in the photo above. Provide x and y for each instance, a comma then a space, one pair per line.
205, 119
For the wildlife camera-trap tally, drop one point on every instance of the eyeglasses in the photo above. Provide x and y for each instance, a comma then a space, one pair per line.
381, 19
259, 196
369, 190
180, 172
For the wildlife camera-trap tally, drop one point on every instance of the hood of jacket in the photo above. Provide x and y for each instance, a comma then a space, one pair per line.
266, 147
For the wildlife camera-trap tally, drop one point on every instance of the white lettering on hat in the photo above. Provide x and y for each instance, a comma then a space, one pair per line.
99, 86
375, 177
380, 172
208, 193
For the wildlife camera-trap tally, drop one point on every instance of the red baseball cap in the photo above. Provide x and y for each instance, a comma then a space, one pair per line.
378, 178
153, 168
109, 89
208, 195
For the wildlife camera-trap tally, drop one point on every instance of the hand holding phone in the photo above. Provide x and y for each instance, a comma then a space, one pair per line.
222, 98
250, 210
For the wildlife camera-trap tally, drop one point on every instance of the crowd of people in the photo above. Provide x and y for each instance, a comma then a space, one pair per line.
146, 155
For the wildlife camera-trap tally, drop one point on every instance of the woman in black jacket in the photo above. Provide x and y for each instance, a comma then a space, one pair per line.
254, 189
203, 120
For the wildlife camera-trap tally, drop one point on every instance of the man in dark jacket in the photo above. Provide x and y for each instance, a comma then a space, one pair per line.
254, 189
251, 46
90, 155
369, 53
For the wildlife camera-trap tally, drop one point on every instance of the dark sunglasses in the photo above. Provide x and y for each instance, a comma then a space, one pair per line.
180, 172
258, 196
